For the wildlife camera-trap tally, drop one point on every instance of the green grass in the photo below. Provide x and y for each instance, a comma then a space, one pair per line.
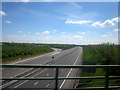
16, 58
103, 54
13, 51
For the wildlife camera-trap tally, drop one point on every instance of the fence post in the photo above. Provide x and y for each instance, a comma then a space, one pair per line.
56, 79
107, 78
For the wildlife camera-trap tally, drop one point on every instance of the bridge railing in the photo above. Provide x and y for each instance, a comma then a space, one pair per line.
107, 77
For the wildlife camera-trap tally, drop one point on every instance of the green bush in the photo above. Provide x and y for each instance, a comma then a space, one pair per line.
15, 50
103, 54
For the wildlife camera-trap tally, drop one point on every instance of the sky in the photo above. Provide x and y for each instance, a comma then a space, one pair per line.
60, 22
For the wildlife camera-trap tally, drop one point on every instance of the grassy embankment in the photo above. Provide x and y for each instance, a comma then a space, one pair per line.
104, 54
14, 51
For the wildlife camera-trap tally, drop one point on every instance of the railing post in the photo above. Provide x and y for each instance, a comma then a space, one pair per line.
56, 79
107, 78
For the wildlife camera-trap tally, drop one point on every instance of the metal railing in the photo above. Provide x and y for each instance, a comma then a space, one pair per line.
107, 77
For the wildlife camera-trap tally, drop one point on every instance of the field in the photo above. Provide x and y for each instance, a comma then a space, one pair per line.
104, 54
16, 51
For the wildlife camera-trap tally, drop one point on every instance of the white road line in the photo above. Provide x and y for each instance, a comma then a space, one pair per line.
36, 83
28, 80
47, 85
66, 77
19, 84
45, 70
22, 72
39, 73
32, 72
47, 74
69, 73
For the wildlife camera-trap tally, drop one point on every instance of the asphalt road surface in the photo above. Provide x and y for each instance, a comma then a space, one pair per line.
68, 57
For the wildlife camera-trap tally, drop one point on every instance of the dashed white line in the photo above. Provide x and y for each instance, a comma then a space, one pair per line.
47, 85
19, 84
28, 80
39, 73
47, 74
66, 77
69, 73
36, 83
22, 72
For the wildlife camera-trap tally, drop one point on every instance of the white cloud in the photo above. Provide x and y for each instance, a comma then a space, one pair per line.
46, 32
63, 39
105, 35
117, 19
25, 0
2, 13
116, 30
77, 22
106, 23
64, 32
20, 31
37, 33
77, 36
82, 33
8, 22
54, 31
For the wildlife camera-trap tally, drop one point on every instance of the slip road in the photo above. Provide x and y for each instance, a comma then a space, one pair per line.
68, 57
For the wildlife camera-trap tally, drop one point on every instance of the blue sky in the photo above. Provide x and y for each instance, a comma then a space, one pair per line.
60, 22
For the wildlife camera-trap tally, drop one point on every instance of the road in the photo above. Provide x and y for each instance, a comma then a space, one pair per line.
68, 57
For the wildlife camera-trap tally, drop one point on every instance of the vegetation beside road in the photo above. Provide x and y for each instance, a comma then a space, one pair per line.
61, 46
104, 54
16, 51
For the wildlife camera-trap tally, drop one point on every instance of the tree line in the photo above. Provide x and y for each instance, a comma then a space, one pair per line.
14, 51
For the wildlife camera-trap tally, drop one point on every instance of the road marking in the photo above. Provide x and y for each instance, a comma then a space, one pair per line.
19, 84
21, 72
43, 71
32, 72
62, 70
69, 73
39, 73
47, 85
36, 83
47, 74
66, 77
28, 80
